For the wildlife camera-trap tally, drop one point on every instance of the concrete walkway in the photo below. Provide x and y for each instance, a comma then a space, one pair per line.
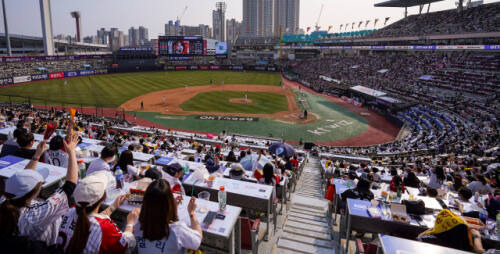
305, 228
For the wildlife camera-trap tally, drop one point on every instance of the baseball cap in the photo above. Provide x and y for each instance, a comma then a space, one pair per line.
23, 181
91, 188
173, 168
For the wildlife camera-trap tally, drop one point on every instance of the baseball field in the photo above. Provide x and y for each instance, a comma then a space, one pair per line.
253, 103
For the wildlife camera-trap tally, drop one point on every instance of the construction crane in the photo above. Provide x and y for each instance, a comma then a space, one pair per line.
319, 17
182, 14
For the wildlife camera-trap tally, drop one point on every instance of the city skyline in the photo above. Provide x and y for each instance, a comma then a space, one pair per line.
154, 14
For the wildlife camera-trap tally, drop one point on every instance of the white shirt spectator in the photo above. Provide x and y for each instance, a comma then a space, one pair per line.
104, 237
56, 157
41, 219
433, 180
96, 165
477, 186
181, 237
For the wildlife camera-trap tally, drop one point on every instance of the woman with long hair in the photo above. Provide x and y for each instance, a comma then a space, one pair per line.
159, 229
84, 230
126, 164
411, 180
437, 177
21, 215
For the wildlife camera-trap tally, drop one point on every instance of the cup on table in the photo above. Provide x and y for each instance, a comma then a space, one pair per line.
210, 181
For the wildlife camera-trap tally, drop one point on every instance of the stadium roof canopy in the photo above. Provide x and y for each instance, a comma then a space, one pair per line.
404, 3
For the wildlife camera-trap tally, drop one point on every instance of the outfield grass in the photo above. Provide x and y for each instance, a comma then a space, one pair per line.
115, 89
262, 103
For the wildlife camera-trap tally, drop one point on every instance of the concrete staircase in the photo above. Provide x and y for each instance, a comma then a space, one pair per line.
306, 228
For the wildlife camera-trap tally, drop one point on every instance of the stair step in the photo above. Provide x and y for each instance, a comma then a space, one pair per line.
307, 208
308, 217
301, 231
309, 227
319, 214
301, 247
308, 190
308, 240
307, 221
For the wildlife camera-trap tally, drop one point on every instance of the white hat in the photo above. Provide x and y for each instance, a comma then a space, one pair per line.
91, 188
23, 181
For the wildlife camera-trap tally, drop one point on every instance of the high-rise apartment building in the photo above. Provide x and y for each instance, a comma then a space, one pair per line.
233, 29
133, 36
286, 16
143, 36
219, 21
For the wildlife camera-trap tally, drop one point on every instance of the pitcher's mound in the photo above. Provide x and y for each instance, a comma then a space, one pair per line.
240, 100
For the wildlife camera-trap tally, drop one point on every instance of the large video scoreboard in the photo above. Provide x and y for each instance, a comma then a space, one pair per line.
181, 46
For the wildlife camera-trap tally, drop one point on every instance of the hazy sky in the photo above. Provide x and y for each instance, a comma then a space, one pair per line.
24, 15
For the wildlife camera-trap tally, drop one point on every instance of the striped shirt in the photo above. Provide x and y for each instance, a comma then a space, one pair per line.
41, 219
104, 237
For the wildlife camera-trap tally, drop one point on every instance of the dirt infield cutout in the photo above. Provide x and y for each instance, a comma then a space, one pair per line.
240, 100
153, 102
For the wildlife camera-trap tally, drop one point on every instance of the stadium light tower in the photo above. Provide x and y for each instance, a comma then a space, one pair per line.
76, 16
7, 36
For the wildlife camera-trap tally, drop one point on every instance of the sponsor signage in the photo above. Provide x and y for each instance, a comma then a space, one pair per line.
55, 75
214, 67
181, 68
6, 81
71, 74
22, 79
8, 59
237, 67
228, 118
86, 72
148, 49
260, 68
193, 67
39, 77
101, 71
490, 47
204, 67
170, 67
271, 68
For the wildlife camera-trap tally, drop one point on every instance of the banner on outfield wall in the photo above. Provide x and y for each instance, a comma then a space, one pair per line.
86, 72
260, 68
55, 75
14, 59
237, 67
39, 77
204, 67
71, 74
170, 67
101, 71
6, 81
22, 79
179, 68
193, 67
228, 118
214, 67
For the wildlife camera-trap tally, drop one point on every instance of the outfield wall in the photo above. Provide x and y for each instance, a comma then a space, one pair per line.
91, 72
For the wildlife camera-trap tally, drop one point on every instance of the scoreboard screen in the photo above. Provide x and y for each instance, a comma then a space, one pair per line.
180, 46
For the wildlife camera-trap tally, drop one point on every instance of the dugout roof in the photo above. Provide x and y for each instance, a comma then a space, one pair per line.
404, 3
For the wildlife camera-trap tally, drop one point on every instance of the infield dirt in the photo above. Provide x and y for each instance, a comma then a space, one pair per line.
153, 102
